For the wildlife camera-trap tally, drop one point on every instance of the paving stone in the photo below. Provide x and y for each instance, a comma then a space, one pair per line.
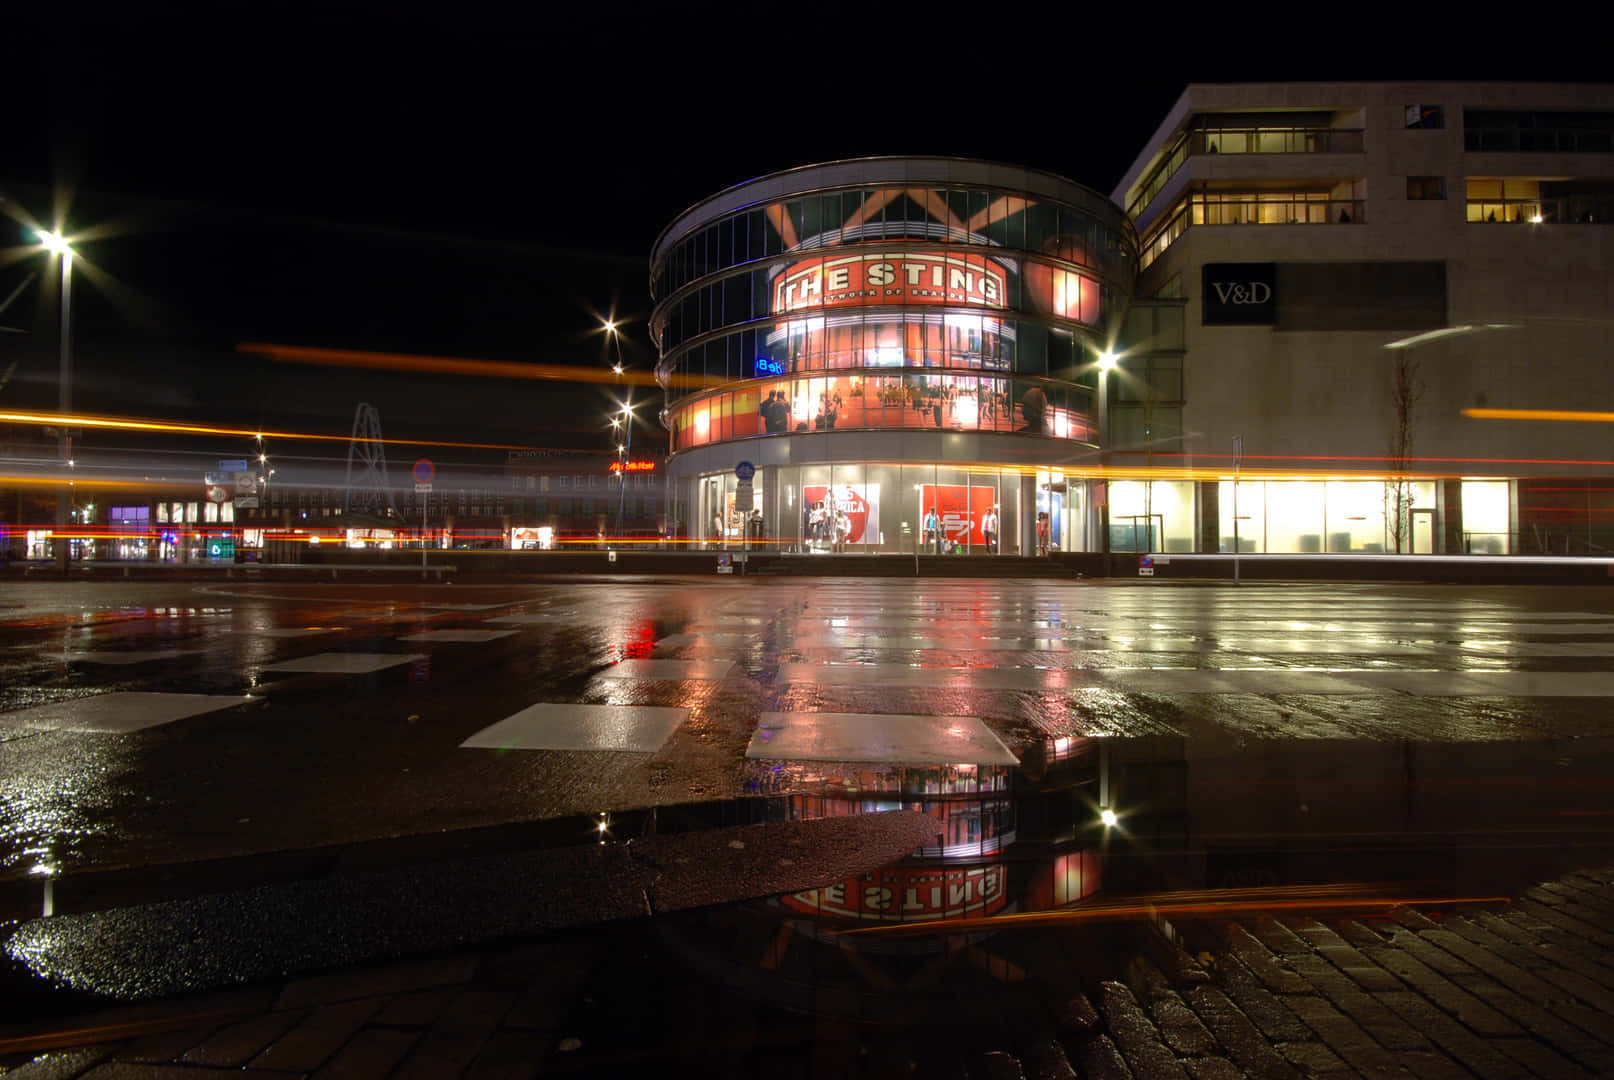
1431, 955
1561, 1034
1488, 920
318, 1037
413, 1010
458, 1035
1478, 936
1569, 960
1595, 897
1342, 1034
1213, 1069
1261, 1005
1413, 920
1566, 921
1558, 901
1357, 934
1597, 997
1428, 1065
1526, 985
1046, 1060
1455, 1039
58, 1064
1388, 1030
1076, 1013
1469, 1010
1262, 964
1602, 874
1539, 1059
1275, 936
238, 1043
1589, 884
164, 1045
1179, 1026
1146, 981
1314, 1058
376, 982
1245, 1045
1312, 931
1137, 1037
1362, 971
1100, 1060
372, 1052
511, 1054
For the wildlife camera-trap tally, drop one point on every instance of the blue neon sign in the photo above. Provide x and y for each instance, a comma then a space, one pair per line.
769, 367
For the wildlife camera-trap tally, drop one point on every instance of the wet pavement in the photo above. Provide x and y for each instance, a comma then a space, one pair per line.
253, 755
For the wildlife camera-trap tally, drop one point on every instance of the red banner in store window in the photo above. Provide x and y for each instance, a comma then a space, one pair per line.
960, 508
909, 894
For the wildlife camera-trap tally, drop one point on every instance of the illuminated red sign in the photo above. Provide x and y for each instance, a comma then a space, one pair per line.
891, 277
960, 509
633, 466
908, 895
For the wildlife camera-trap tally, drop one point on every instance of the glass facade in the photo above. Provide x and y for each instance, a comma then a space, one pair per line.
857, 297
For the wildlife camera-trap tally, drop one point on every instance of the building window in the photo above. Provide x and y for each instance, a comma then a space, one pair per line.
543, 483
561, 480
1428, 117
1426, 187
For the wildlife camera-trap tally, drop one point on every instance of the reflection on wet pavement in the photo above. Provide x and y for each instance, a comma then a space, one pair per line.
1446, 741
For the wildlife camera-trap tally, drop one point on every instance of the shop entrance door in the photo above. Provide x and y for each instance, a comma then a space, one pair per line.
1423, 532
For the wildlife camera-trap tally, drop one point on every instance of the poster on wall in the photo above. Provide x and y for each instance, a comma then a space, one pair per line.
860, 501
960, 508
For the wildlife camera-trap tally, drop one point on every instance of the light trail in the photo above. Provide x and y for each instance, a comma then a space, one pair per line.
1569, 415
463, 365
165, 427
1194, 904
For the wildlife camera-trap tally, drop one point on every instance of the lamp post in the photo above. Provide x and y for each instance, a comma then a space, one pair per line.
623, 449
58, 246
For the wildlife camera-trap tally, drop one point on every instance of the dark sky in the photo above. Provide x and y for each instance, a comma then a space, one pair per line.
435, 181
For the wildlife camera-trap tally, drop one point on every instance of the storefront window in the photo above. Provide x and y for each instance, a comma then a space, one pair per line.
1486, 528
1355, 516
1249, 517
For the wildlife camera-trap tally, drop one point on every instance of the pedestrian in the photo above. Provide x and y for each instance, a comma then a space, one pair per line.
989, 526
843, 529
1042, 532
932, 530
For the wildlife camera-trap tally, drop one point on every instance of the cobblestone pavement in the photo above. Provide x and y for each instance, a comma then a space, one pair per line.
1523, 989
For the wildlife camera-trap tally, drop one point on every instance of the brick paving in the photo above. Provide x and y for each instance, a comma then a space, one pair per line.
1517, 990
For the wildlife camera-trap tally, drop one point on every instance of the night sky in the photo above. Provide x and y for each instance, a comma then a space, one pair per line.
431, 181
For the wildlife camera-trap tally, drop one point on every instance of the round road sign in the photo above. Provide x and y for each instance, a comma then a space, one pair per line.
424, 471
745, 470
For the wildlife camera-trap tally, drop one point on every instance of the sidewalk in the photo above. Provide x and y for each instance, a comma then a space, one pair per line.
1525, 989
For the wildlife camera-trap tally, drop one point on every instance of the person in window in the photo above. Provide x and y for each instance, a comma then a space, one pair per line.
989, 526
1033, 406
932, 530
1042, 532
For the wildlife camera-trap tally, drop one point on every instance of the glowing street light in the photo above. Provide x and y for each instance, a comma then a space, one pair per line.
1107, 816
58, 247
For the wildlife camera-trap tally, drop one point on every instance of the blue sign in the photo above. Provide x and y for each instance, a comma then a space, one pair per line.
424, 471
1145, 560
745, 470
239, 465
769, 367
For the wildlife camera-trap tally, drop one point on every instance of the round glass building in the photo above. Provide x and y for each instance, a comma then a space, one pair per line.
903, 349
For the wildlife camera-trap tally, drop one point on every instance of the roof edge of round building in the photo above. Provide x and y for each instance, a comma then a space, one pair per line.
919, 168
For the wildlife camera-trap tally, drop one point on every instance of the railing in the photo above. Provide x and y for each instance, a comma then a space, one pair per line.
1537, 141
1275, 140
1163, 237
1159, 177
1274, 209
1563, 210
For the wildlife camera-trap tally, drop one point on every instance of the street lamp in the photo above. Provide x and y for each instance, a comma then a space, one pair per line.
622, 455
58, 247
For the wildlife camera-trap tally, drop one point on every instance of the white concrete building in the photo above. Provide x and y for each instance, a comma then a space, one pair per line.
1326, 241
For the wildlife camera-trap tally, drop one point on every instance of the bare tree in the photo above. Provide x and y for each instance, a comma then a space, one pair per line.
1406, 388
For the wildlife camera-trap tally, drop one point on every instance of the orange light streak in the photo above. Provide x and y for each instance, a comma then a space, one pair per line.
1570, 415
460, 365
1199, 905
163, 426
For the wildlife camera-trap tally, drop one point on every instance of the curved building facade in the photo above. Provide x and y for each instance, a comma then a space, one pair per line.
886, 341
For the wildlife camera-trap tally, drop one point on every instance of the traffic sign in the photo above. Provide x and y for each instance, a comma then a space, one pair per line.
424, 471
238, 465
423, 489
745, 470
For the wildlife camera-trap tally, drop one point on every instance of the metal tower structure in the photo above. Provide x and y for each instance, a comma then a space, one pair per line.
368, 493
